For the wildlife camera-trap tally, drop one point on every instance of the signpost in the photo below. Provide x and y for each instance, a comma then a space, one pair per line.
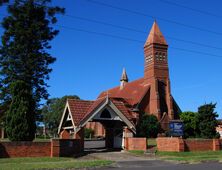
176, 128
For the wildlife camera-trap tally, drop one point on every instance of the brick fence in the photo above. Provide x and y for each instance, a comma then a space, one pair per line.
135, 143
174, 144
53, 148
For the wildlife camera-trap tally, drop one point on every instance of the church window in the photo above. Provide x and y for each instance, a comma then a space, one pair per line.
149, 59
160, 56
105, 114
164, 57
157, 56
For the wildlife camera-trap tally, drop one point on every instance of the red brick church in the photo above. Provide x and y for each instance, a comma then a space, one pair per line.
120, 107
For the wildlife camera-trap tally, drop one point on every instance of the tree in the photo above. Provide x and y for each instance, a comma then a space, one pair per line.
24, 51
52, 112
148, 126
207, 121
20, 124
3, 1
190, 123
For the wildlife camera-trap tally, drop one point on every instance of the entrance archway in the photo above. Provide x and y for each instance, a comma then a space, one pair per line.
110, 112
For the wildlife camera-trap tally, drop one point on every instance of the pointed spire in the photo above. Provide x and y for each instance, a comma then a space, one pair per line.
124, 79
155, 36
124, 76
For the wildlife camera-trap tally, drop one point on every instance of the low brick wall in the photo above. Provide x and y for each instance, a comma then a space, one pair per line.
66, 147
174, 144
170, 144
135, 144
198, 144
25, 149
53, 148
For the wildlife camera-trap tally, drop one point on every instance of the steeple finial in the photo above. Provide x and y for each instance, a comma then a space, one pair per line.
124, 76
124, 79
155, 36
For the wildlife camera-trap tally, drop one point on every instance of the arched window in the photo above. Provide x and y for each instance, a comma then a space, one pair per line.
157, 55
105, 114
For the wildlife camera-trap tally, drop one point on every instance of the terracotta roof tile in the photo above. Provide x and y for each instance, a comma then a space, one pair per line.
155, 36
132, 92
94, 106
124, 107
79, 109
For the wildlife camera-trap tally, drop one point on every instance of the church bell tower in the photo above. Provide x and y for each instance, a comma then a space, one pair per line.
156, 74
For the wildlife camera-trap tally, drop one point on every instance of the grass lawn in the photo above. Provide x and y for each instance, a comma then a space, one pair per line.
191, 156
49, 163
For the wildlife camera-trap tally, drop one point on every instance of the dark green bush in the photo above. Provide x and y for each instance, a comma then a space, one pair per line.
88, 133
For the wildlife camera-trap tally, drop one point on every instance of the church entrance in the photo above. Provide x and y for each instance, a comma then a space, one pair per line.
113, 126
108, 114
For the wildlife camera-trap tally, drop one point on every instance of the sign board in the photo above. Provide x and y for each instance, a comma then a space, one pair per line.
176, 128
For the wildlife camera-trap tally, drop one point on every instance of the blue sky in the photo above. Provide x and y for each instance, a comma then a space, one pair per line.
88, 63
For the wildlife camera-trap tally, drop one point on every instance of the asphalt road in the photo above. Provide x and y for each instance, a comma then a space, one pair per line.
127, 161
162, 165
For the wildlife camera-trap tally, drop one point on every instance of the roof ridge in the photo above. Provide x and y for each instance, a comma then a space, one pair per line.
81, 100
126, 85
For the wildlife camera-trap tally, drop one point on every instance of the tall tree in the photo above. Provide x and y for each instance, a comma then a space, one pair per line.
20, 124
25, 44
52, 112
3, 1
207, 121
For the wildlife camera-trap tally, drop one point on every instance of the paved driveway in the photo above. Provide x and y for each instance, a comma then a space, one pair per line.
124, 160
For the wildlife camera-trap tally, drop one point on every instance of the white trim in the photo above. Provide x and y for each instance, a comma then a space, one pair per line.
71, 117
97, 111
115, 109
63, 116
68, 127
123, 117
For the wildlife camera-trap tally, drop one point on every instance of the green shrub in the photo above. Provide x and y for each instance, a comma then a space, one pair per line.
148, 126
88, 133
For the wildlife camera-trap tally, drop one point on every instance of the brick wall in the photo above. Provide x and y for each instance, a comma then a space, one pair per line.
53, 148
220, 141
135, 144
174, 144
65, 147
170, 144
25, 149
198, 144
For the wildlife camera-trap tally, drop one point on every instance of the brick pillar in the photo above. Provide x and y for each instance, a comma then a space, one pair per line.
80, 135
154, 99
55, 148
169, 101
109, 137
181, 146
216, 144
127, 133
64, 135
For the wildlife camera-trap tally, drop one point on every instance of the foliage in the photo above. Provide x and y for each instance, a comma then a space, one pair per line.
207, 121
52, 112
88, 133
25, 45
20, 120
148, 126
3, 1
190, 123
